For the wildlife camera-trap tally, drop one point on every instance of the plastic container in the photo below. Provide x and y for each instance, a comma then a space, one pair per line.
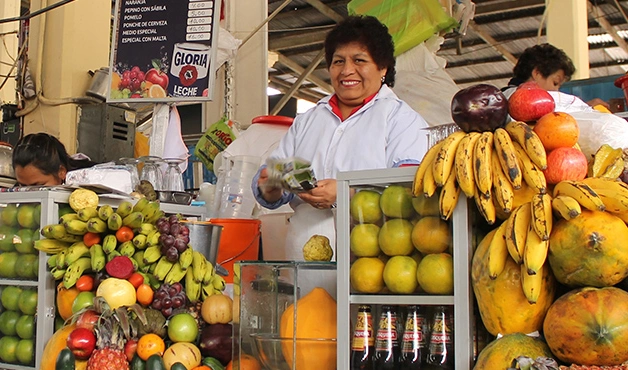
239, 241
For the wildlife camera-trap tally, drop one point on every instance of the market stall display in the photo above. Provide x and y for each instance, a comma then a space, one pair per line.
556, 222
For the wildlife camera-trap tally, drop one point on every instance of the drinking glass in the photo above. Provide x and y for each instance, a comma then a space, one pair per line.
151, 171
173, 180
131, 165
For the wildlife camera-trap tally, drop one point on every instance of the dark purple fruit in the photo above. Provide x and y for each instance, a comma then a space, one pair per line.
481, 107
184, 231
180, 244
168, 241
172, 254
173, 219
178, 287
166, 312
174, 229
164, 229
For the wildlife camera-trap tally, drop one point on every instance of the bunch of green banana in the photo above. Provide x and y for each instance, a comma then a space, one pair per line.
75, 271
57, 232
51, 246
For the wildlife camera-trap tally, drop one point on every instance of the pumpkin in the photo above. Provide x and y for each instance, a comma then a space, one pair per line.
186, 353
315, 318
589, 326
503, 306
117, 292
589, 250
55, 344
65, 299
217, 309
499, 353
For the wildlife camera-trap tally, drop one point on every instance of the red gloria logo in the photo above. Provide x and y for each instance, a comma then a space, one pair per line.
188, 75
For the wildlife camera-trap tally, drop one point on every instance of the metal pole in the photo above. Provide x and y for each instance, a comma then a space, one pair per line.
280, 8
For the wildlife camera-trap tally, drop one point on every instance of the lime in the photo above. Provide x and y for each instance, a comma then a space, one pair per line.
10, 296
25, 351
364, 240
182, 328
24, 265
25, 327
9, 215
400, 275
426, 206
24, 243
7, 264
396, 201
28, 302
8, 348
8, 321
28, 215
364, 207
8, 235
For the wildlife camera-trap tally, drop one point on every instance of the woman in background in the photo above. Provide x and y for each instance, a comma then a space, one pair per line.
41, 160
363, 125
548, 66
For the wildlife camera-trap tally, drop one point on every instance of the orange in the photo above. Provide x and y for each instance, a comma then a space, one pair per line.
557, 129
65, 299
247, 362
145, 294
150, 344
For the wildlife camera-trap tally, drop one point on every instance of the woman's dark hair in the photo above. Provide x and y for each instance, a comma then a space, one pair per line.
371, 33
547, 59
46, 153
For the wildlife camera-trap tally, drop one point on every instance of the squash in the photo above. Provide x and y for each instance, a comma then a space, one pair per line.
65, 299
315, 318
589, 250
589, 326
186, 353
117, 292
500, 352
217, 309
503, 306
55, 345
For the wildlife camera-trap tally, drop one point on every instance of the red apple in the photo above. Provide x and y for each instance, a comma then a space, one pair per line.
88, 320
565, 164
529, 103
130, 348
81, 342
157, 77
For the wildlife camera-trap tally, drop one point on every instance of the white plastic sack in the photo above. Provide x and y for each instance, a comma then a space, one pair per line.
598, 128
422, 82
227, 47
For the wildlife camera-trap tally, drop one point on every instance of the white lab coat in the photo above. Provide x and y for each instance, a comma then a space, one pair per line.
384, 133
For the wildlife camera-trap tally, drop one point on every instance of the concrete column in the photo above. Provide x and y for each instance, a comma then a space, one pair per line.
250, 76
567, 29
8, 49
74, 40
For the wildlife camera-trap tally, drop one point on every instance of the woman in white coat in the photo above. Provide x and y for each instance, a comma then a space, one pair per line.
363, 125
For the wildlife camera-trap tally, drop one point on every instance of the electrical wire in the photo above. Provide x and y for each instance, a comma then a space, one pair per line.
36, 12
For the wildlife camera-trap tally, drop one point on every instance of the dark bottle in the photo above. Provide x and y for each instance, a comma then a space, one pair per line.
441, 352
387, 351
363, 344
414, 341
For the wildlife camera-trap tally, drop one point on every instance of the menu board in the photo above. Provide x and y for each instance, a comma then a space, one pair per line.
163, 50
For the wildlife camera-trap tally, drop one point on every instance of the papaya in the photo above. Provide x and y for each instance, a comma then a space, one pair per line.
589, 250
503, 306
54, 346
316, 319
65, 300
500, 352
587, 326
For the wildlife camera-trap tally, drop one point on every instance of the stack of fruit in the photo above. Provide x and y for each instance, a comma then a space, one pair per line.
126, 297
557, 220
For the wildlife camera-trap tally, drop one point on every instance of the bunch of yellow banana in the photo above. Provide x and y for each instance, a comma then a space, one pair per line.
592, 193
487, 166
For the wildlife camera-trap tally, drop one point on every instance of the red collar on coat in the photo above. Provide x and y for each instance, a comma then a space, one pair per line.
335, 108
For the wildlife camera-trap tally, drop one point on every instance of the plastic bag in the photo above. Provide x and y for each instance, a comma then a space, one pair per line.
217, 137
410, 22
227, 47
423, 83
598, 128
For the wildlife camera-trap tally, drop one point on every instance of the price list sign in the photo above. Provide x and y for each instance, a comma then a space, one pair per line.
163, 50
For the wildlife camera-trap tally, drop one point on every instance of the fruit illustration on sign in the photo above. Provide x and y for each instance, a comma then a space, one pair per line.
156, 76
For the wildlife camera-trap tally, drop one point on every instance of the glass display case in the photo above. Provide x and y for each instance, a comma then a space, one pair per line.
27, 289
406, 221
267, 321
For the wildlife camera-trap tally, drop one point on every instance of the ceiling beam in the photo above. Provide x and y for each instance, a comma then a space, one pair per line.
329, 12
493, 43
600, 18
501, 6
302, 93
294, 40
294, 66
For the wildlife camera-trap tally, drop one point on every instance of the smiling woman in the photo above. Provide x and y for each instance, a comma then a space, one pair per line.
363, 125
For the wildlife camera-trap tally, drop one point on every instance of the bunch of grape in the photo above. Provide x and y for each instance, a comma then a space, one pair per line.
168, 298
131, 84
174, 237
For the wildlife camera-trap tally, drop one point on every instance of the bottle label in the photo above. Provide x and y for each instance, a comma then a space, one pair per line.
413, 336
441, 337
386, 333
363, 334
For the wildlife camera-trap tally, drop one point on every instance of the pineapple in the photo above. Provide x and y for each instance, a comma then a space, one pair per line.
113, 330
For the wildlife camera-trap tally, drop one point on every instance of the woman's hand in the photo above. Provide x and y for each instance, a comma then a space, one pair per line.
323, 196
270, 194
